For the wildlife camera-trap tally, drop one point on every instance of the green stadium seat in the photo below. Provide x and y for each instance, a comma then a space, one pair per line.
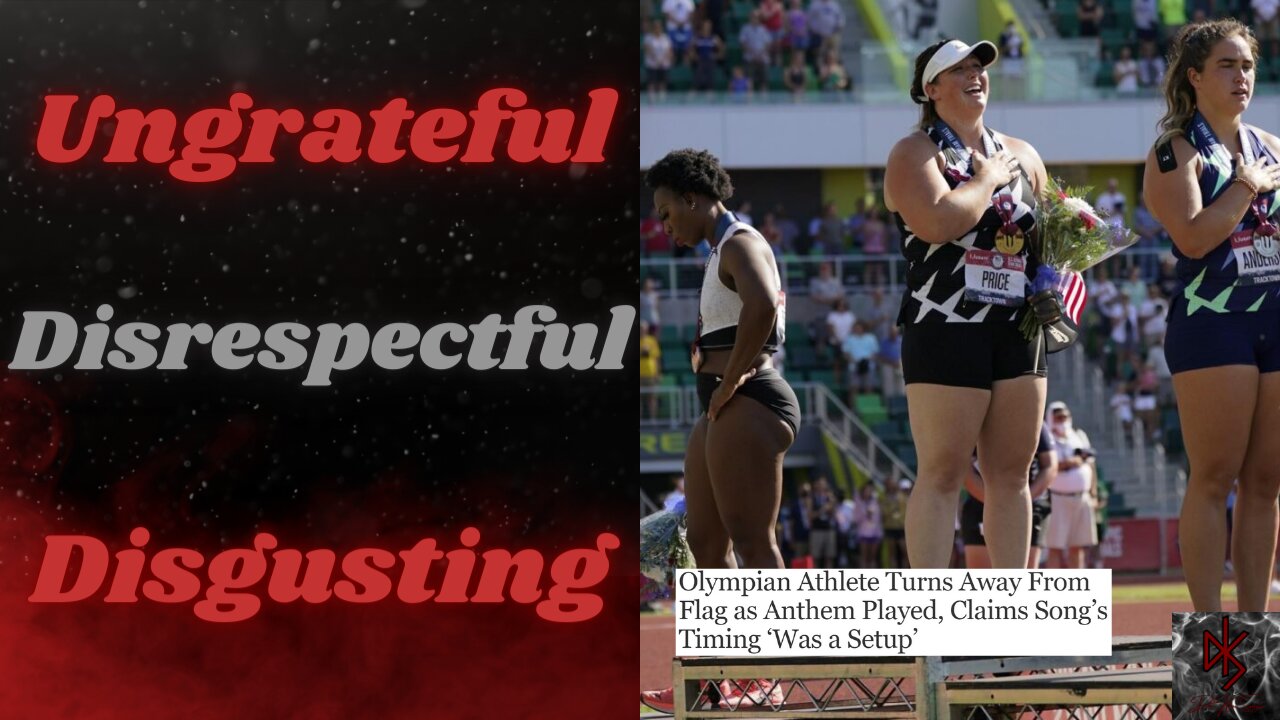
892, 434
720, 79
1121, 12
907, 453
873, 418
775, 78
1068, 23
1113, 39
680, 77
885, 429
1268, 69
733, 54
670, 335
826, 377
1115, 501
801, 355
666, 405
897, 406
1105, 78
869, 403
870, 409
672, 348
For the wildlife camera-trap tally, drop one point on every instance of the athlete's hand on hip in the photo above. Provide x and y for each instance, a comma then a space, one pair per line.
1001, 167
1264, 177
724, 393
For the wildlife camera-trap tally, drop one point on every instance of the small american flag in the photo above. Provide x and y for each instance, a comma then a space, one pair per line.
1072, 289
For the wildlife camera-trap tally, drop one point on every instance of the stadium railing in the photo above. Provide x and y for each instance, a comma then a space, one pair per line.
678, 407
682, 277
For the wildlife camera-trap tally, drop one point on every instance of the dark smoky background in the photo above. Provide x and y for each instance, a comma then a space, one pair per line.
206, 456
1198, 693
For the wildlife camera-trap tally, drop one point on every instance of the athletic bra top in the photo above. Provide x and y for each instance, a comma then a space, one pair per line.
720, 307
1210, 283
935, 272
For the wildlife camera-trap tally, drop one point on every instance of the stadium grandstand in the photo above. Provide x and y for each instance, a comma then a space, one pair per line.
801, 101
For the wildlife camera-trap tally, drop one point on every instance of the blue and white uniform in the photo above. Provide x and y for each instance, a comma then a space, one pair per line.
1227, 310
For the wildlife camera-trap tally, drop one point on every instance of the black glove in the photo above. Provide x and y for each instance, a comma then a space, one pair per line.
1060, 332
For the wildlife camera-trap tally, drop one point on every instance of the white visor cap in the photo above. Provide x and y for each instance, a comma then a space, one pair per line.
955, 51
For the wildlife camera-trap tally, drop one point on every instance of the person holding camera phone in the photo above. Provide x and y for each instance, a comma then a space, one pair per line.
1072, 528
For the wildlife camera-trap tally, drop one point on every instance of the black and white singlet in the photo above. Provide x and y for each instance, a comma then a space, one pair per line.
936, 273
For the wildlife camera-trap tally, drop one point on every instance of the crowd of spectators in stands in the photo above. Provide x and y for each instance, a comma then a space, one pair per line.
866, 231
858, 336
822, 527
825, 528
1132, 46
1126, 329
1125, 320
795, 48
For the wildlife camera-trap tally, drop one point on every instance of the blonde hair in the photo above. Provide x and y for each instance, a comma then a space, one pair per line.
1191, 49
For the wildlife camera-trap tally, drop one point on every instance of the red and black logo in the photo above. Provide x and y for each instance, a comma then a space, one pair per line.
1224, 654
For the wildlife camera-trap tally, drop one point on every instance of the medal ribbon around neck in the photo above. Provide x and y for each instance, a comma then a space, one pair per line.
1260, 206
1004, 205
1002, 200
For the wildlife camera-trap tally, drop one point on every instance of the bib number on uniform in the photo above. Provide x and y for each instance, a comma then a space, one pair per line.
994, 278
1257, 258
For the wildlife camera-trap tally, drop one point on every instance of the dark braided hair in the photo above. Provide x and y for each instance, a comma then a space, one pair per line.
691, 171
928, 113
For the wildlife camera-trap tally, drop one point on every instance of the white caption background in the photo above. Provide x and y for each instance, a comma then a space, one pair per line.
748, 613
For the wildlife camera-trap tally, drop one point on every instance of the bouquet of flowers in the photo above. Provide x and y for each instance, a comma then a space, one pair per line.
663, 550
1070, 237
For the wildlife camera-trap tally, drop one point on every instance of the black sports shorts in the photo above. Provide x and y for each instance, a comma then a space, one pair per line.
971, 522
765, 387
969, 354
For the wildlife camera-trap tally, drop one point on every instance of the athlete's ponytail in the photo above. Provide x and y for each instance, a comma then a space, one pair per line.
928, 113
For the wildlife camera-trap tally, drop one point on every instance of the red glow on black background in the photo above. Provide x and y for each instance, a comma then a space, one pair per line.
331, 660
205, 458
